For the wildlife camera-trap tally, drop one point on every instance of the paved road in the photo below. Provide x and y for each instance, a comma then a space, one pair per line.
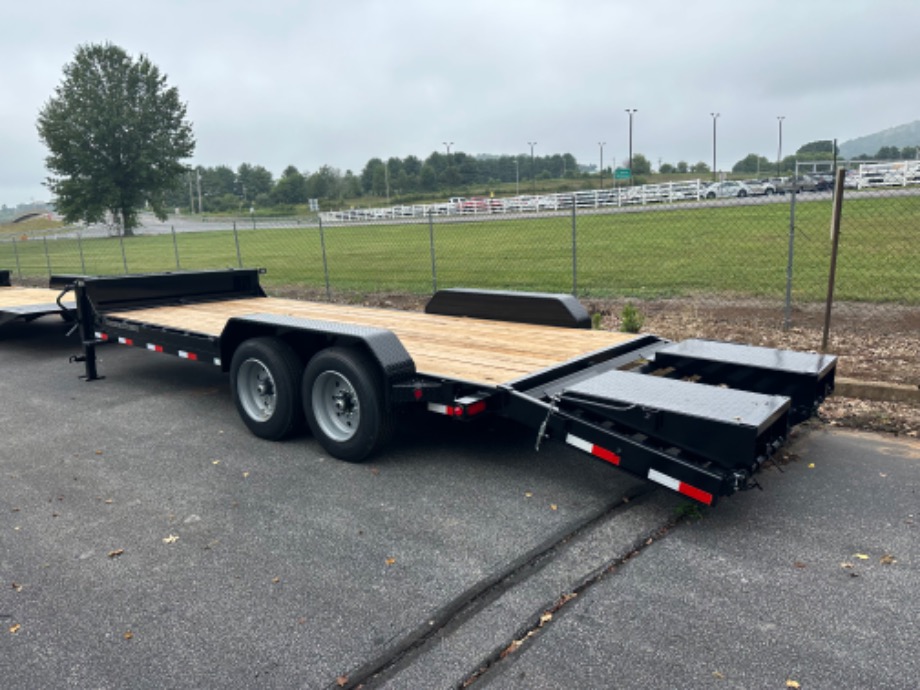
147, 540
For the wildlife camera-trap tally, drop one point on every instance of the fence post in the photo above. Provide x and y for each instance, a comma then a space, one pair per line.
175, 246
16, 254
47, 257
574, 253
787, 319
835, 243
434, 265
236, 238
322, 244
80, 248
124, 256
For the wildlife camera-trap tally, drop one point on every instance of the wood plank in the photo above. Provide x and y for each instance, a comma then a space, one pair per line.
27, 297
475, 350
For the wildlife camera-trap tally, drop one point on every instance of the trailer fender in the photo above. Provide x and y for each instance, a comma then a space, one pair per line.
308, 336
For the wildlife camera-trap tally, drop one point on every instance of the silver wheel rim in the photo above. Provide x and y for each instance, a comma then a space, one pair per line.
336, 407
256, 390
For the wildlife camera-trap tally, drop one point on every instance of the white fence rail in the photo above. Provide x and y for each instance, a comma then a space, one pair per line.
668, 192
893, 174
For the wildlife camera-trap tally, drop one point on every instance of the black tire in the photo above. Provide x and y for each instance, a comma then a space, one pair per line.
768, 192
711, 195
265, 376
346, 404
742, 194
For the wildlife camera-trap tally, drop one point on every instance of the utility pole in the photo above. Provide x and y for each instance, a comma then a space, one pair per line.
533, 172
200, 207
715, 116
601, 145
779, 151
631, 112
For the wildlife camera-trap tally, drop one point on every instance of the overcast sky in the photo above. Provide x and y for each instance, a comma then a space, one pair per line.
308, 83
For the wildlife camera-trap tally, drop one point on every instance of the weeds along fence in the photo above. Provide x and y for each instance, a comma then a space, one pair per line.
770, 252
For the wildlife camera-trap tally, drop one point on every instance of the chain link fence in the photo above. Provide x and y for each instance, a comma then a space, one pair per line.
770, 254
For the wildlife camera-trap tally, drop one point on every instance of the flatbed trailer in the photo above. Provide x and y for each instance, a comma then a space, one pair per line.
699, 417
27, 304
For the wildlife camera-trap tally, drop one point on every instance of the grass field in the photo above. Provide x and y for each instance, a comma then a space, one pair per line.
739, 250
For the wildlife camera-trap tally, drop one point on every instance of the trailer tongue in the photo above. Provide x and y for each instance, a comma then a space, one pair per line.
698, 417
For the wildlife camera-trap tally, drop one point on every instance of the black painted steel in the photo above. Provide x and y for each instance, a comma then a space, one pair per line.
735, 429
124, 292
545, 309
4, 278
383, 345
807, 379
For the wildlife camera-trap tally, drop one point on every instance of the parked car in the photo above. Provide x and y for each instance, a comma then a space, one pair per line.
760, 187
727, 188
801, 183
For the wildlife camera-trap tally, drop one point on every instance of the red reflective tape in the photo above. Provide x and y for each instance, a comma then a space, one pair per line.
476, 408
596, 451
605, 454
696, 494
154, 348
126, 341
102, 336
188, 355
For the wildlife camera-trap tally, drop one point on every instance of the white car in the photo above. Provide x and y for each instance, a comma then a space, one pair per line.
728, 188
760, 187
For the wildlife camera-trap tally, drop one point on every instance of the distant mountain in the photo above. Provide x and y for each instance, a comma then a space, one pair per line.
900, 136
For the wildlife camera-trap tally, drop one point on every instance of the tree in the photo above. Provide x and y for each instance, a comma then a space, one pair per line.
752, 163
823, 146
640, 165
291, 187
254, 181
699, 168
116, 134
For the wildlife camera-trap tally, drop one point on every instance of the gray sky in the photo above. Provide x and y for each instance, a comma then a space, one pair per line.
309, 83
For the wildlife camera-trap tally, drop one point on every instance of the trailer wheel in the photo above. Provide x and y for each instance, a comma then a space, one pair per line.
347, 409
264, 375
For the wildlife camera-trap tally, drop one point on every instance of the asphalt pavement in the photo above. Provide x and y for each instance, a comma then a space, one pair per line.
148, 540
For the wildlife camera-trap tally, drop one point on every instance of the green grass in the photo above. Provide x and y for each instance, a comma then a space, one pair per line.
729, 251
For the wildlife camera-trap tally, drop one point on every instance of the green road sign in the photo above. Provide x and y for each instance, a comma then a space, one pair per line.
621, 174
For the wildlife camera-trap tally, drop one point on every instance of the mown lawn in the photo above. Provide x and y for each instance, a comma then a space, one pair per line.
734, 250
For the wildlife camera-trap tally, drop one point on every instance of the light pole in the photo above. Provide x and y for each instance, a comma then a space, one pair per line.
779, 151
601, 144
517, 177
448, 144
631, 111
715, 116
533, 172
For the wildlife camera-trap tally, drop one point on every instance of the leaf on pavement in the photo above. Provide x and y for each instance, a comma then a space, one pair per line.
171, 539
128, 635
390, 561
861, 556
15, 628
793, 684
887, 559
115, 553
341, 681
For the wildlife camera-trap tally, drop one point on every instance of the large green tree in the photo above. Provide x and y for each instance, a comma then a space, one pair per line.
117, 134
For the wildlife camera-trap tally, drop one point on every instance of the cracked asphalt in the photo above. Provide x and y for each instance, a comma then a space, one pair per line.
148, 540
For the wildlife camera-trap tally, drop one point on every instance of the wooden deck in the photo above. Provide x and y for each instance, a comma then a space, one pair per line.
26, 297
474, 350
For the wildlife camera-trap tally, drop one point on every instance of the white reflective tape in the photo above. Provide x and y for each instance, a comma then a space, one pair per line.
664, 480
437, 407
579, 443
217, 361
